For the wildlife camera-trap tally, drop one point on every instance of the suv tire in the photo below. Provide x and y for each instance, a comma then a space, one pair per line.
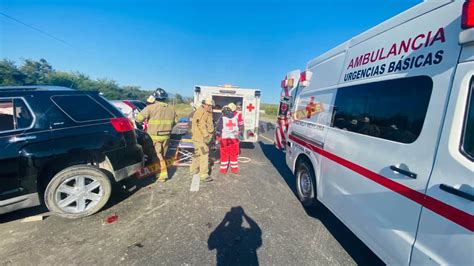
306, 183
78, 191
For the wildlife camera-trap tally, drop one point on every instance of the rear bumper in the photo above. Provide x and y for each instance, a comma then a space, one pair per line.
126, 161
128, 171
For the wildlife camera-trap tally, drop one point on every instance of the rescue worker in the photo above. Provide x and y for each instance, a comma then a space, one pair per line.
229, 132
202, 129
161, 119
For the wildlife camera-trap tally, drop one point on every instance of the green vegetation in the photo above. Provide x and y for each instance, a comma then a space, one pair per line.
42, 73
183, 109
271, 111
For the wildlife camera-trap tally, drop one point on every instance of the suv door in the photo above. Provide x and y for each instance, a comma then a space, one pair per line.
447, 238
16, 120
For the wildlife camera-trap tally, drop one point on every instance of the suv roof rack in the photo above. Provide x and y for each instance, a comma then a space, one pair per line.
35, 88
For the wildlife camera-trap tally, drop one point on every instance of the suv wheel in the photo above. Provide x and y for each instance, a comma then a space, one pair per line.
306, 184
78, 191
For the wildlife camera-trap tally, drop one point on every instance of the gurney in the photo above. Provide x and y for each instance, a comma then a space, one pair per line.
182, 150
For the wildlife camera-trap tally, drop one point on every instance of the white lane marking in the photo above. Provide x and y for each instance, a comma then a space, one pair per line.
195, 183
271, 141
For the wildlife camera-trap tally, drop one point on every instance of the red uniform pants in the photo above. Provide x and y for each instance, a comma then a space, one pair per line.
229, 154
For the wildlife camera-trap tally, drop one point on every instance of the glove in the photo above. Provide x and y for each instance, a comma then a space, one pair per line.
207, 140
241, 137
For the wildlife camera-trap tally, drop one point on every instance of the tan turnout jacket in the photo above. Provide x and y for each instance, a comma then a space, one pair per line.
202, 126
161, 119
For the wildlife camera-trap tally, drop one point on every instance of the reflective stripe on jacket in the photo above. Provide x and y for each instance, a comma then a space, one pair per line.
161, 119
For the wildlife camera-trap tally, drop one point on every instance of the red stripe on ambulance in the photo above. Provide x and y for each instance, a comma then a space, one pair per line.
447, 211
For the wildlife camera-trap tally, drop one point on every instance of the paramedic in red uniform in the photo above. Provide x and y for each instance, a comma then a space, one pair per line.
229, 131
237, 109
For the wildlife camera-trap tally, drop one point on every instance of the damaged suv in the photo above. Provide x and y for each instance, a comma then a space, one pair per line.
63, 148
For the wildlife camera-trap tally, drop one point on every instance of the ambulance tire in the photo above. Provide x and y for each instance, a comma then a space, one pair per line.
306, 183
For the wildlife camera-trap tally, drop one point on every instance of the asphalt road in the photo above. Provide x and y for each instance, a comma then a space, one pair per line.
250, 218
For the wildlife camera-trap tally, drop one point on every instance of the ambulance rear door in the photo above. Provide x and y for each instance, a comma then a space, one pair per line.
250, 114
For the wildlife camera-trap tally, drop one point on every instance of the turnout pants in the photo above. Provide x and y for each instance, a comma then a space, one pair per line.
229, 155
200, 160
161, 147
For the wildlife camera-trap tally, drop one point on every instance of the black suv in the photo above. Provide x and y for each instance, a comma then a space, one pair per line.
63, 146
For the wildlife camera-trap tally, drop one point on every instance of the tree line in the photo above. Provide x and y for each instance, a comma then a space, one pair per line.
40, 72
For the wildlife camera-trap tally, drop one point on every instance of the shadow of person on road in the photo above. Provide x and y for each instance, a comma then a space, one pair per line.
236, 244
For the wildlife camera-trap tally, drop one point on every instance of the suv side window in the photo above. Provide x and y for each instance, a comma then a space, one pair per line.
467, 141
14, 115
392, 110
23, 116
7, 122
81, 108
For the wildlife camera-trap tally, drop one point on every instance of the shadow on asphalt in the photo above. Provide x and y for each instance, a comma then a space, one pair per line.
247, 145
235, 244
359, 252
123, 190
23, 213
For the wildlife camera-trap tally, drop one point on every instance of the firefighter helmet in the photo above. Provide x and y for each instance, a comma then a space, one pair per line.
160, 95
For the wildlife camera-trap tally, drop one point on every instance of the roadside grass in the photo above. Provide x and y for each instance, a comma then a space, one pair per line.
183, 109
270, 112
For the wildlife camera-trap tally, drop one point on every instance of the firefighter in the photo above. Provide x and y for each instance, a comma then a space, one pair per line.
229, 132
161, 119
202, 129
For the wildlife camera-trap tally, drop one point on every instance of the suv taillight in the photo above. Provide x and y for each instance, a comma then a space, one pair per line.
467, 20
122, 124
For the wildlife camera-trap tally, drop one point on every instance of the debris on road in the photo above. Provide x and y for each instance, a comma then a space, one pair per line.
35, 218
111, 219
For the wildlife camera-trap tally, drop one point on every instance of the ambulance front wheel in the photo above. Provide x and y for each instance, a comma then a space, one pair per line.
306, 183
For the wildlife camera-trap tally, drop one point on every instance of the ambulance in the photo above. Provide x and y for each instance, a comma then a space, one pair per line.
380, 130
248, 101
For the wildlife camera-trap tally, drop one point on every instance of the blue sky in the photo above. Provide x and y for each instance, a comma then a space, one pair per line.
178, 44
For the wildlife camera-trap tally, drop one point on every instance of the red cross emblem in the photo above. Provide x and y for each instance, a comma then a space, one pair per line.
230, 125
250, 107
313, 107
310, 108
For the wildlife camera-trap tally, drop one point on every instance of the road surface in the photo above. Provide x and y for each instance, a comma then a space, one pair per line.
250, 218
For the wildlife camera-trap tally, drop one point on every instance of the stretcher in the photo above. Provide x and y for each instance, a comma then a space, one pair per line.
182, 150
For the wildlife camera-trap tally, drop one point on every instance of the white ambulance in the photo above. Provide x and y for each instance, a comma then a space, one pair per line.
248, 101
381, 131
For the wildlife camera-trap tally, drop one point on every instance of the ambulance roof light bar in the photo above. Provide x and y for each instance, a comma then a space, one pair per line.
467, 20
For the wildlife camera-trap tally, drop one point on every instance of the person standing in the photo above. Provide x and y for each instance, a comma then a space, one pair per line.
161, 119
202, 129
228, 130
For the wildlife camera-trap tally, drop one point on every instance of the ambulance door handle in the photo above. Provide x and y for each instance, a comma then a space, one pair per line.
403, 172
288, 144
457, 192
